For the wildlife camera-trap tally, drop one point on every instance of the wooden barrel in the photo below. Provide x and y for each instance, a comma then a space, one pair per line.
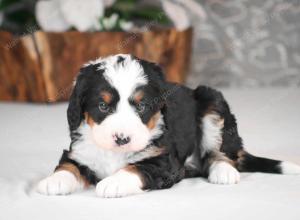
41, 67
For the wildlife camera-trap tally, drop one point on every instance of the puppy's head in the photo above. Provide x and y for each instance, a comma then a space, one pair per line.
119, 98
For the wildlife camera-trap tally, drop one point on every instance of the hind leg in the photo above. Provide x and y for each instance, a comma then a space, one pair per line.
221, 149
220, 142
218, 167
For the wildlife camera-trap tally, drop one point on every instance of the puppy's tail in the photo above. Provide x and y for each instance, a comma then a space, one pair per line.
249, 163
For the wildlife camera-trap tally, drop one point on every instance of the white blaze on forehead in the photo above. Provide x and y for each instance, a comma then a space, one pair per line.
124, 76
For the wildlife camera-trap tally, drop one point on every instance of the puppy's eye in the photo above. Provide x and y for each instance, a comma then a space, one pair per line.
104, 107
140, 107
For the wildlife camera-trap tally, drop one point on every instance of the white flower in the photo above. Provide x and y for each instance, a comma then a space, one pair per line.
82, 14
126, 25
97, 26
177, 14
195, 7
49, 16
108, 3
110, 22
61, 15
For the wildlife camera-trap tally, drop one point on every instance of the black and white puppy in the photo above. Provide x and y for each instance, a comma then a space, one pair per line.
131, 131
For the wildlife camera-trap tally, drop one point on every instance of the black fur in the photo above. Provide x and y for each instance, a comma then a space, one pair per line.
250, 163
179, 139
120, 59
160, 172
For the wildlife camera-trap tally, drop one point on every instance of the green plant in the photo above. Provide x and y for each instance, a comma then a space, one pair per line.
131, 10
18, 16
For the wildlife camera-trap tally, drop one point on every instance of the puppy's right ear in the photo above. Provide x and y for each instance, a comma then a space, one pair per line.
76, 100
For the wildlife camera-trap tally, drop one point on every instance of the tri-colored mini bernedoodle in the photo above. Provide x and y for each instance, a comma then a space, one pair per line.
131, 132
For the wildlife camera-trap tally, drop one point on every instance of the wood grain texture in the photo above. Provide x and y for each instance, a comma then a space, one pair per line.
41, 67
20, 74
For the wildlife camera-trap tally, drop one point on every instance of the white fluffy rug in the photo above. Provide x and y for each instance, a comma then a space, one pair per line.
33, 137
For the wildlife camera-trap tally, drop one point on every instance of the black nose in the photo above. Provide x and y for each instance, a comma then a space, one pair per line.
121, 140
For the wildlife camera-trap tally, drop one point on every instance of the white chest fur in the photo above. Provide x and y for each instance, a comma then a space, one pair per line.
103, 162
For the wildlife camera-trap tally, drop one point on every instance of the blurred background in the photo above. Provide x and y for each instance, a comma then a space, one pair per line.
220, 43
248, 43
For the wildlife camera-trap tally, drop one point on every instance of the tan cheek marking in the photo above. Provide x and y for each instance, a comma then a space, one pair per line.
106, 96
153, 120
89, 119
74, 170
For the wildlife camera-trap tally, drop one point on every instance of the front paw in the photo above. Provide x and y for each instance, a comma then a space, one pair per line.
121, 184
223, 173
59, 183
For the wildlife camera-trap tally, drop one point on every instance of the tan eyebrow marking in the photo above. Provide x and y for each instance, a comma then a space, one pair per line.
138, 96
106, 96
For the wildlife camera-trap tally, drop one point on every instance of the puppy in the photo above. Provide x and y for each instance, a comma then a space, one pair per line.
131, 132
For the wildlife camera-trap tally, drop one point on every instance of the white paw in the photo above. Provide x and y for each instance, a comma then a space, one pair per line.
59, 183
122, 183
223, 173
